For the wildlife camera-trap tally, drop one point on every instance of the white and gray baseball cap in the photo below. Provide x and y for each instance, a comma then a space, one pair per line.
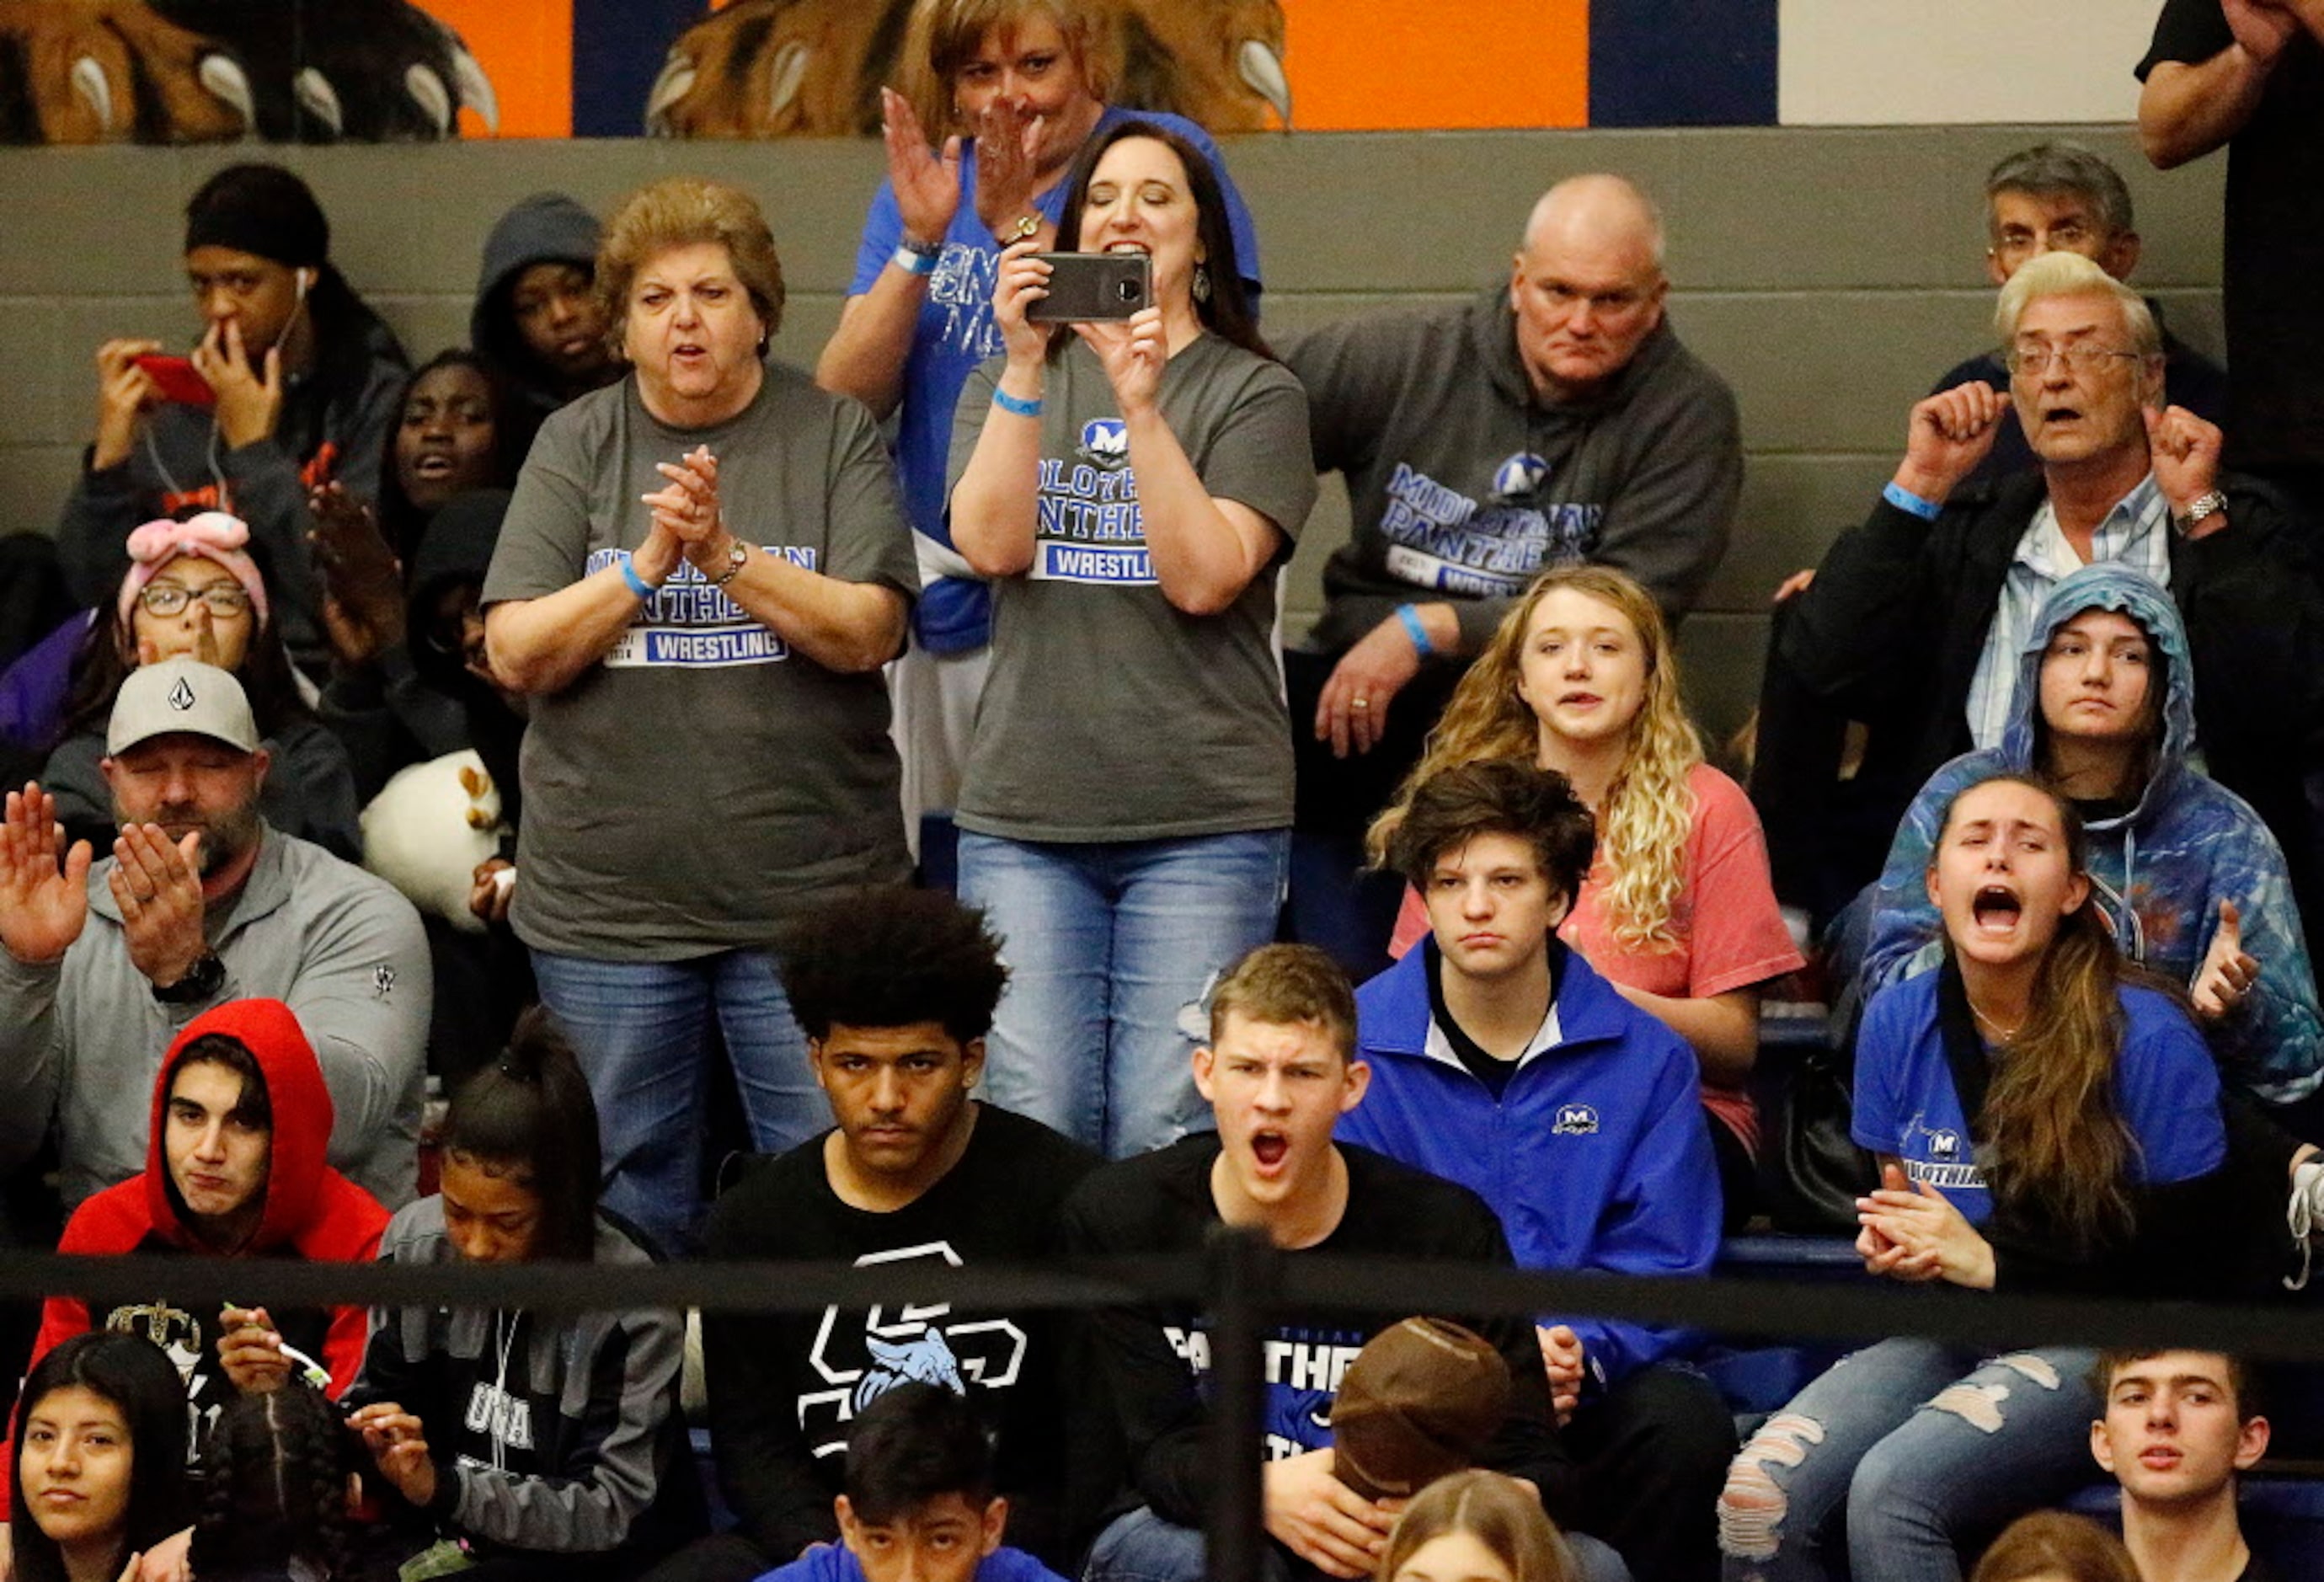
181, 695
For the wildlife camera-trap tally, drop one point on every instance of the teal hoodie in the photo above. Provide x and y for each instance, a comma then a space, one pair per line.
2159, 871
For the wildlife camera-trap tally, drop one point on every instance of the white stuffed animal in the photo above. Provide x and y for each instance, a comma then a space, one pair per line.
427, 830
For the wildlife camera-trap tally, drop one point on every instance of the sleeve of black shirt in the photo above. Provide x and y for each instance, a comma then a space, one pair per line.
2188, 32
1527, 1445
2174, 1249
765, 1466
1148, 1387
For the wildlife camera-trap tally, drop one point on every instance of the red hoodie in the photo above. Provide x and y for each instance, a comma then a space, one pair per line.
311, 1212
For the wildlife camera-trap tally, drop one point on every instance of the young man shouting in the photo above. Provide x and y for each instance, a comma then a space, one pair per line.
1279, 1071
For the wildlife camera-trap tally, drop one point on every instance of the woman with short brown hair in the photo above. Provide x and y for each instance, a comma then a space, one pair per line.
700, 575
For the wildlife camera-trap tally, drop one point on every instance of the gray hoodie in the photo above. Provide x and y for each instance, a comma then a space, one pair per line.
548, 227
2160, 868
1465, 486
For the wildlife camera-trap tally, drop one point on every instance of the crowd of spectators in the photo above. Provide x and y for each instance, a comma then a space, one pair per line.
471, 815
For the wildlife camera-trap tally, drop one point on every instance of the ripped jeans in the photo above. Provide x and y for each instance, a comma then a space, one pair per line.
1112, 948
1906, 1453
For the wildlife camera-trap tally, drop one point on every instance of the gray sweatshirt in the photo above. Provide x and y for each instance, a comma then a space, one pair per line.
81, 1039
1465, 486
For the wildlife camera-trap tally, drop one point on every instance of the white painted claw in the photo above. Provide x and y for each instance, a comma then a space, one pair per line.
791, 70
428, 91
1259, 65
475, 88
319, 98
676, 81
95, 89
224, 76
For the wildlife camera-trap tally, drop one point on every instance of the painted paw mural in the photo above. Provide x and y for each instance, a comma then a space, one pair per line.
779, 69
104, 71
211, 70
814, 68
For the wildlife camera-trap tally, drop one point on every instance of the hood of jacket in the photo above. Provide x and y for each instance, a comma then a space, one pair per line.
2109, 586
456, 546
1493, 335
301, 1105
548, 227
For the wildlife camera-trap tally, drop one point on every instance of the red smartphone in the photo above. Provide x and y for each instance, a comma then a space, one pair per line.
178, 381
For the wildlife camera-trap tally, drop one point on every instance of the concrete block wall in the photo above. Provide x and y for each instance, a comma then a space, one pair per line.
1830, 274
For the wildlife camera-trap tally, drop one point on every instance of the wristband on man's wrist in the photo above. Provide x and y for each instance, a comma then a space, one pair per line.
1017, 404
1416, 629
914, 257
1903, 499
638, 584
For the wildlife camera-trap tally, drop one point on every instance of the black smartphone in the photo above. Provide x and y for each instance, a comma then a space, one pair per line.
1094, 287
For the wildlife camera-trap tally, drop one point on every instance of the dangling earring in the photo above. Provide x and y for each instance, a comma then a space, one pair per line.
1202, 283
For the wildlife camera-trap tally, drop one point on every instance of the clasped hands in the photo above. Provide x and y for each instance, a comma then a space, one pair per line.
1911, 1231
687, 521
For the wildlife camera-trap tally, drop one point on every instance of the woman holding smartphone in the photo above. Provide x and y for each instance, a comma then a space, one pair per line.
1132, 488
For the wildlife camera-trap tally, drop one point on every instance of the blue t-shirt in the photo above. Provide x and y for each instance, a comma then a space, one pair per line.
2165, 1088
836, 1562
955, 332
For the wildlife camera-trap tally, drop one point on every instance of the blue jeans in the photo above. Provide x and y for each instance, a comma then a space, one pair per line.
643, 1032
1112, 948
1141, 1546
1916, 1451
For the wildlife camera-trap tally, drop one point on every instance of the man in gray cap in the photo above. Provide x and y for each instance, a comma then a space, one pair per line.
102, 964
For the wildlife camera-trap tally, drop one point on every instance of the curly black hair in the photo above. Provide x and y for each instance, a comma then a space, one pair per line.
889, 956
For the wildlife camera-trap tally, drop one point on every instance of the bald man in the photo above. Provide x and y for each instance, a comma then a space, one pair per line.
1553, 419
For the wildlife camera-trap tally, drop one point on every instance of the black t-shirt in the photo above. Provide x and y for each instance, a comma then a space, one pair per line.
783, 1387
2257, 1571
2273, 244
188, 1333
1154, 1357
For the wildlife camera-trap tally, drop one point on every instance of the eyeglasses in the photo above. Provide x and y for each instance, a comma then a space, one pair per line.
2076, 359
167, 598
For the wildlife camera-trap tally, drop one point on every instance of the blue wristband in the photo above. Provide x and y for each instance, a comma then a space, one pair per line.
1416, 629
1903, 499
638, 584
1009, 404
912, 261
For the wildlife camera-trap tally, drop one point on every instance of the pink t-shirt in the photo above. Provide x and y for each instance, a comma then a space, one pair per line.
1730, 933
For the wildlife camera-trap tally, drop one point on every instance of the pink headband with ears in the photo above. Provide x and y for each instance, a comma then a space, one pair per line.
213, 535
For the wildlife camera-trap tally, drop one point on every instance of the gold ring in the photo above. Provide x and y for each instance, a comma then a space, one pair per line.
1360, 703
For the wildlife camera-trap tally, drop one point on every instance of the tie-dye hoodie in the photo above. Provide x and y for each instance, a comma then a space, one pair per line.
2159, 872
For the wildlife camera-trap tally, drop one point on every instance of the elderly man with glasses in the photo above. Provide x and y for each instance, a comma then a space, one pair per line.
1915, 621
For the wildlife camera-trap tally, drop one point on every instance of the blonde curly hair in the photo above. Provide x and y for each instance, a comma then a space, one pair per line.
1648, 811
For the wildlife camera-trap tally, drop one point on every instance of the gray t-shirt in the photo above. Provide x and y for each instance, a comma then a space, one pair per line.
1110, 714
703, 783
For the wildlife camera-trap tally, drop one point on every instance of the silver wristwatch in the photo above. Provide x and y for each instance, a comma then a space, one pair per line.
2199, 507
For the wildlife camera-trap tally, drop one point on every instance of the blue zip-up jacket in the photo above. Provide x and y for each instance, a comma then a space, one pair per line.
1595, 1156
2159, 871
